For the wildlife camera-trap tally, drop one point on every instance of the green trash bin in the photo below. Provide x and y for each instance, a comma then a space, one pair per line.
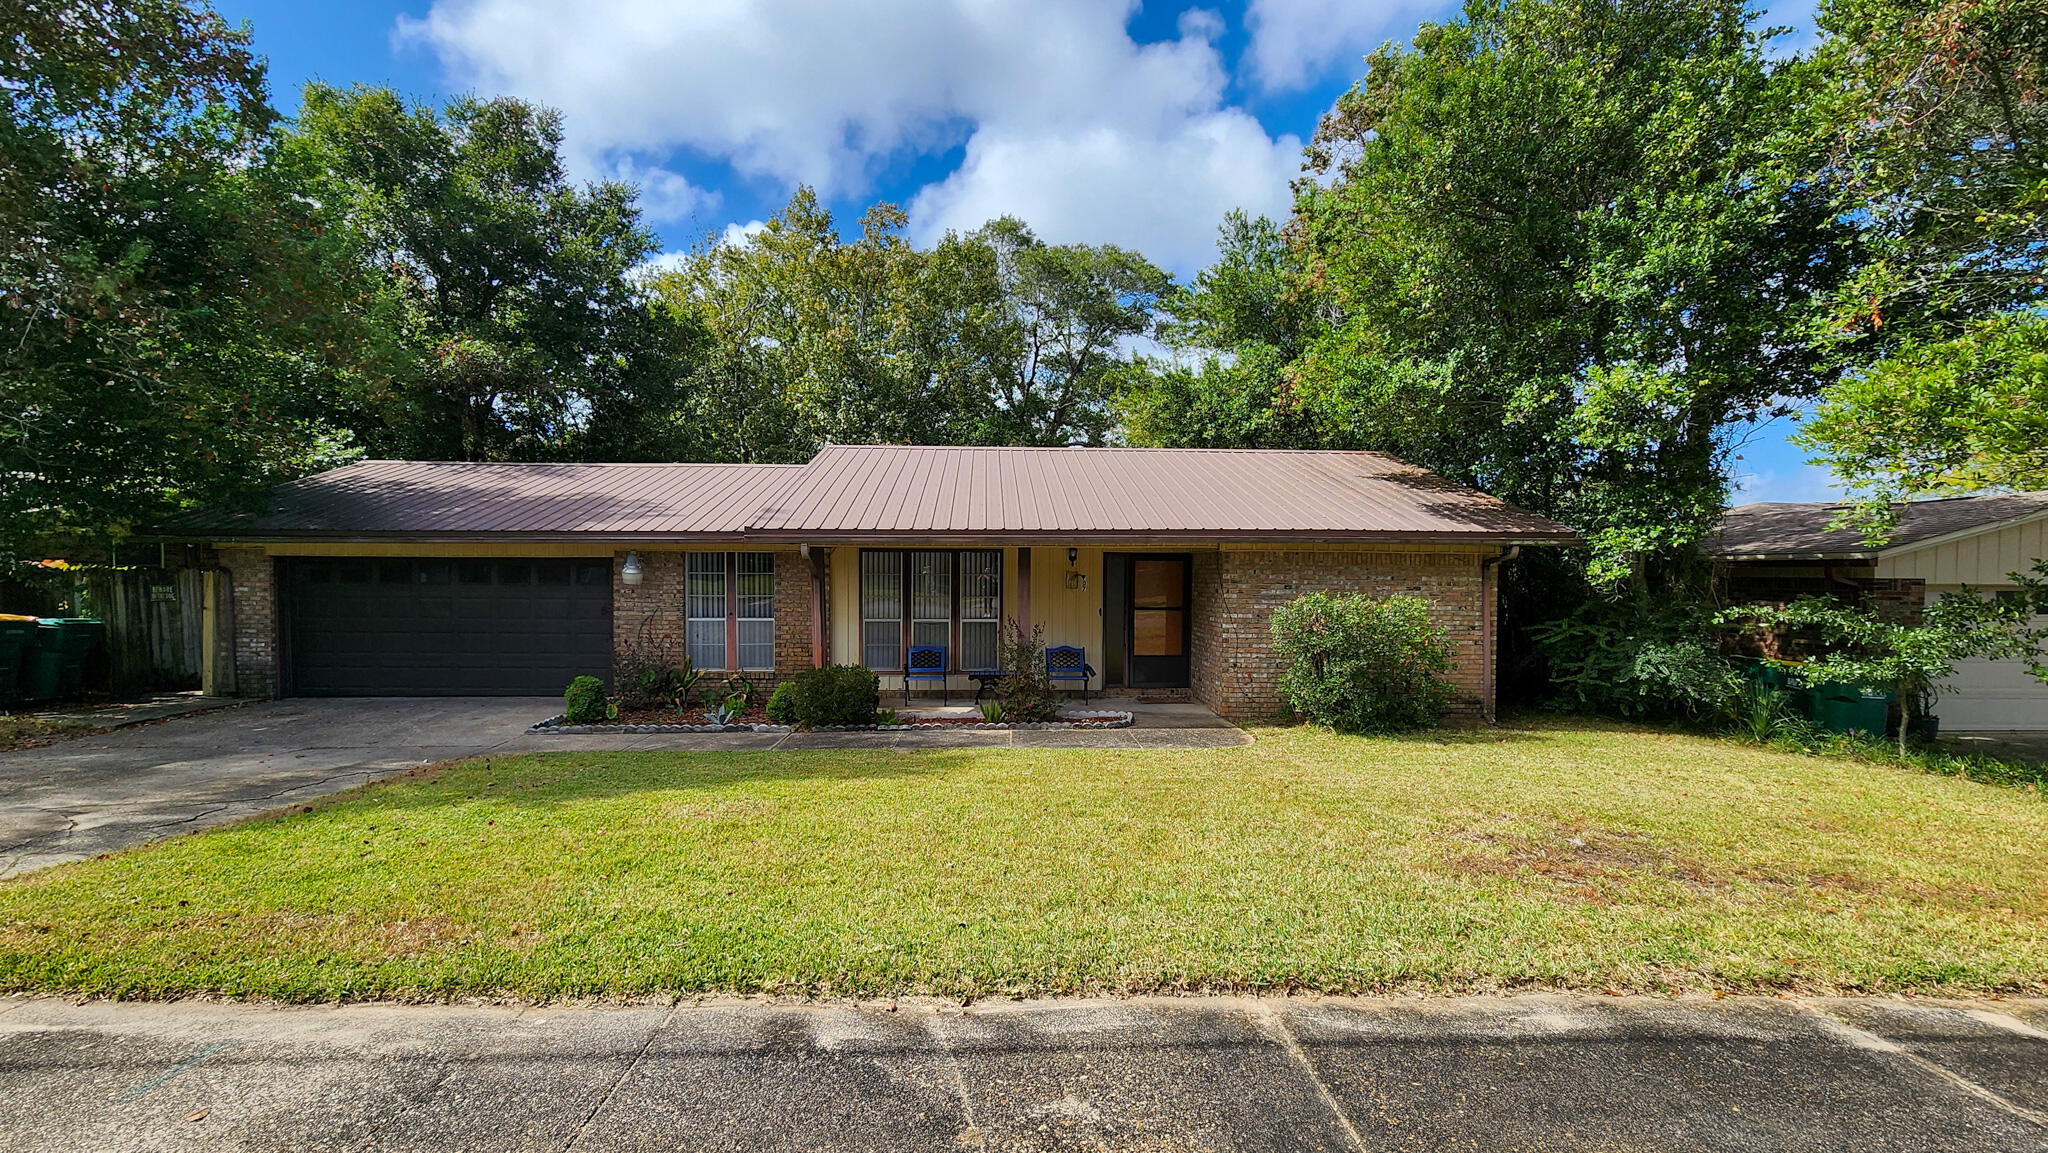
1841, 708
42, 665
78, 638
17, 637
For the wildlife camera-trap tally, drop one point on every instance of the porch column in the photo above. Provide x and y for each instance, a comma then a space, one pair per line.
1024, 589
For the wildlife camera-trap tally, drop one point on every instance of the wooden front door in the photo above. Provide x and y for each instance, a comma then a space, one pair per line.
1151, 603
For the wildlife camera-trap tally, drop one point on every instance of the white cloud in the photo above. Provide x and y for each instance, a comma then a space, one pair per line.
664, 196
1295, 43
736, 235
1065, 120
1162, 193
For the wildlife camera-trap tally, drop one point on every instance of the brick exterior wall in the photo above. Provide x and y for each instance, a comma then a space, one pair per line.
1231, 663
653, 612
252, 592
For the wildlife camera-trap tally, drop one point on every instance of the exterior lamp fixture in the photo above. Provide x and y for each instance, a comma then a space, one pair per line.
630, 572
1073, 555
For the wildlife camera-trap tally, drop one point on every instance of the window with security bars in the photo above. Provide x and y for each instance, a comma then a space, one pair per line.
931, 600
881, 609
981, 609
943, 598
754, 574
704, 601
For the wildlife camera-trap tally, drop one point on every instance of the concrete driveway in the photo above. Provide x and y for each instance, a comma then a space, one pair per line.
96, 794
1542, 1073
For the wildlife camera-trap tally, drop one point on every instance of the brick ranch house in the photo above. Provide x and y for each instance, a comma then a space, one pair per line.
416, 578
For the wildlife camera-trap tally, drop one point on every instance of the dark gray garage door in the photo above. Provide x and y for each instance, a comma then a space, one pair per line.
428, 626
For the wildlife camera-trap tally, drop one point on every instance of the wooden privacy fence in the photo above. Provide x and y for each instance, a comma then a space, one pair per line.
155, 619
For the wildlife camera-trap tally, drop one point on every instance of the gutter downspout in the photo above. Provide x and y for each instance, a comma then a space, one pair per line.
1489, 603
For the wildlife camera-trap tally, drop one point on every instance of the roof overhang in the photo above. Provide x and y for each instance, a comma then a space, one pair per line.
946, 539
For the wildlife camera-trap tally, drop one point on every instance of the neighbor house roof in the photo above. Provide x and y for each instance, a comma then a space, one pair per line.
850, 493
1801, 532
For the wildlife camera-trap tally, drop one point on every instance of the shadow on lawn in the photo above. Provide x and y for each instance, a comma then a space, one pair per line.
553, 778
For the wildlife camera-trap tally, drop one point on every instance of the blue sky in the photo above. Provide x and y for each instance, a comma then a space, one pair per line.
1094, 120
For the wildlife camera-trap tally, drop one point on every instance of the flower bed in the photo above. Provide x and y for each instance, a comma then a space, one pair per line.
632, 724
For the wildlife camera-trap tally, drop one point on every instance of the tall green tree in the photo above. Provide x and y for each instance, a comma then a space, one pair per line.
1558, 249
1935, 124
992, 337
168, 300
501, 286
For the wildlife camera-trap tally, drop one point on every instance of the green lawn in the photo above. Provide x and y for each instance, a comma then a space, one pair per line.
1561, 854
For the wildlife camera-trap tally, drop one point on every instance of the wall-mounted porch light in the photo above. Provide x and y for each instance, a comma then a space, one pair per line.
1073, 555
630, 572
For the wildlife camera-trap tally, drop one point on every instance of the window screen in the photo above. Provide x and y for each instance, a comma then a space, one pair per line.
756, 591
981, 609
704, 596
881, 609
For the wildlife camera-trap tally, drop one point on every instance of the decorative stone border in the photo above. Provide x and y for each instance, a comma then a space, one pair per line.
1106, 721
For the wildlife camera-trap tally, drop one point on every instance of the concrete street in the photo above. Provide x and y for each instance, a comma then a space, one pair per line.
1498, 1074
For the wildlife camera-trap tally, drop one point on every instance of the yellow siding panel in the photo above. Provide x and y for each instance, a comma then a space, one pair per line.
1981, 561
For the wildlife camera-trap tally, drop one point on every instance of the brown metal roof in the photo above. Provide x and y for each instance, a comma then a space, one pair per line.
873, 492
402, 498
1800, 531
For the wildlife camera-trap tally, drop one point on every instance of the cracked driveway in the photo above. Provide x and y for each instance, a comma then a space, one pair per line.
96, 794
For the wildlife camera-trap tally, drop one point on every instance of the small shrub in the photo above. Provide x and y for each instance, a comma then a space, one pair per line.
837, 695
886, 717
1363, 665
1027, 693
650, 677
583, 703
782, 704
992, 711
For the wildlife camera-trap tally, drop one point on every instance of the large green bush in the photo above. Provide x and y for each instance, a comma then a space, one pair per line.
836, 695
1639, 660
1363, 665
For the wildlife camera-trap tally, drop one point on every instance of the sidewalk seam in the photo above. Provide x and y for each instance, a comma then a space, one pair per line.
1275, 1026
1989, 1096
621, 1079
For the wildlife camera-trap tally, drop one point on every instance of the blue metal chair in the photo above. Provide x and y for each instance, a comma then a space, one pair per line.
926, 663
1067, 663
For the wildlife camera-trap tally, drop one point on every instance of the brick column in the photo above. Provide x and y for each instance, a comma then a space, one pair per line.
252, 593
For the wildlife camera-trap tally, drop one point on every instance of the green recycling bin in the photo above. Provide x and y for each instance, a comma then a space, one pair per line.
1841, 708
77, 639
17, 636
42, 664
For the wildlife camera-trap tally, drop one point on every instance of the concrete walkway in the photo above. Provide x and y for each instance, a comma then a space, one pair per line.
108, 791
1550, 1073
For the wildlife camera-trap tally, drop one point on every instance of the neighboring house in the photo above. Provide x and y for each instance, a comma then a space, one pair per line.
1778, 552
412, 578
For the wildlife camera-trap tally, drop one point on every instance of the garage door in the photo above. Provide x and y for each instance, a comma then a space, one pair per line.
1999, 696
430, 626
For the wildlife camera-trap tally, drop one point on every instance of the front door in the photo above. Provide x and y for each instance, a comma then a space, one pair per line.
1154, 612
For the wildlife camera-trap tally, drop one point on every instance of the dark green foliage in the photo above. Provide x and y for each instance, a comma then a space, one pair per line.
836, 695
167, 299
1639, 658
499, 287
1362, 665
584, 702
650, 677
782, 704
1027, 693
